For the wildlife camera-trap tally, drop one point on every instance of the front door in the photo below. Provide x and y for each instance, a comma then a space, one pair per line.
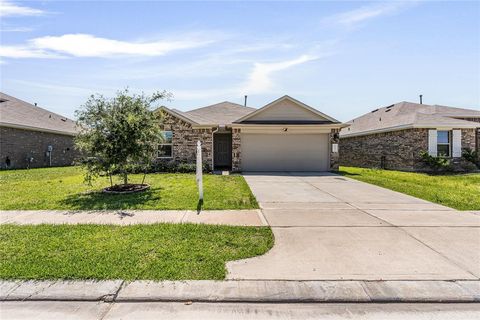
222, 148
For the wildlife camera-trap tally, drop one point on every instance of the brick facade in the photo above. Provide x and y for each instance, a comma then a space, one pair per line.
185, 141
396, 150
19, 144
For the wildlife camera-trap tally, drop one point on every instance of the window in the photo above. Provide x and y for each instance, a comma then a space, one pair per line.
165, 149
443, 143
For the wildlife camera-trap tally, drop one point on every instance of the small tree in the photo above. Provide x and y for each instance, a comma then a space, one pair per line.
118, 135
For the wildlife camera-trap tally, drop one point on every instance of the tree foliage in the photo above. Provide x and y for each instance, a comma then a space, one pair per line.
118, 135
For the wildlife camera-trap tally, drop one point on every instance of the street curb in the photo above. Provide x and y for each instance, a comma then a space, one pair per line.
461, 291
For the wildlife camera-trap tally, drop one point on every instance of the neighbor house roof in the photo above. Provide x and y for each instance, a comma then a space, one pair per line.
16, 113
406, 115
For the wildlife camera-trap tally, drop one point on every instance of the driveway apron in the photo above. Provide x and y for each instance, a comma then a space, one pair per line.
328, 227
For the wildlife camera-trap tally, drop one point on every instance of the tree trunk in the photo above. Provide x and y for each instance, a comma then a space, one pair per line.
125, 178
144, 175
111, 182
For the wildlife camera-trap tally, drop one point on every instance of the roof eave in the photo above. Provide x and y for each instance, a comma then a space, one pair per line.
409, 126
30, 128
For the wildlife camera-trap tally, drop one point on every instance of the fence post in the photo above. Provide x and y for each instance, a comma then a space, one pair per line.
199, 171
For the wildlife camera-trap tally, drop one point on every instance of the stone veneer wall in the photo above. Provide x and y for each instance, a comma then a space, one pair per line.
18, 144
477, 134
397, 150
185, 141
334, 156
236, 150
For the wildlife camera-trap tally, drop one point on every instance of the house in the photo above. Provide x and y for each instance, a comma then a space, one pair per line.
393, 137
32, 137
284, 135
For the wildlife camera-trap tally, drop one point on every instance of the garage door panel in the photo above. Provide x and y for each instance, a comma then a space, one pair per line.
285, 152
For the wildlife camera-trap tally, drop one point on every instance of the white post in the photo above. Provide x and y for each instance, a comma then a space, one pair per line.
199, 171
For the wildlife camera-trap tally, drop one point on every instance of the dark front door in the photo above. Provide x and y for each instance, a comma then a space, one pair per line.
222, 148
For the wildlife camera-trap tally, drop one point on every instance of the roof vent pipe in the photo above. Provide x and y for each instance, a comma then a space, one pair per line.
245, 103
35, 104
421, 99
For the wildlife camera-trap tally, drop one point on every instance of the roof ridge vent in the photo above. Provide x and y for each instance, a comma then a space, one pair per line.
391, 106
375, 110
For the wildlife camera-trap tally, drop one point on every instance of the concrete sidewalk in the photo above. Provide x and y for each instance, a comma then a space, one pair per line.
128, 217
242, 291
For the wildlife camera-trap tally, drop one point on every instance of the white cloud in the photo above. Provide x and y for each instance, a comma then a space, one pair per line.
16, 29
8, 9
260, 80
363, 14
85, 45
24, 52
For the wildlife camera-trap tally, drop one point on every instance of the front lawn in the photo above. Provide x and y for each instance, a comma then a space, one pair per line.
156, 252
461, 191
64, 189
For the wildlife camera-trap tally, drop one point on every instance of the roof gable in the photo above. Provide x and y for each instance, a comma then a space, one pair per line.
286, 110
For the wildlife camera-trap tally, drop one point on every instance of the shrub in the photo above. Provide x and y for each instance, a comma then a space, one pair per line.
173, 167
471, 156
435, 163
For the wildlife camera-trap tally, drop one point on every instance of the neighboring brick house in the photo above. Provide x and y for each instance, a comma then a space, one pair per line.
32, 137
393, 137
284, 135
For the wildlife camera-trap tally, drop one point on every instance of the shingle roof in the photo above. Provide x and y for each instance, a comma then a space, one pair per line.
408, 114
222, 113
20, 114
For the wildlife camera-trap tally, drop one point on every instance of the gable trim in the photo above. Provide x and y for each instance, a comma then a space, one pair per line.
177, 115
286, 97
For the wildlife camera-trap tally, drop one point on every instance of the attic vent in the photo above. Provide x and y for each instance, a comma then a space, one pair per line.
388, 110
375, 110
3, 100
391, 106
64, 120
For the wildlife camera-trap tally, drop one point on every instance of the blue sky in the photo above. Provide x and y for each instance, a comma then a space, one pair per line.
343, 58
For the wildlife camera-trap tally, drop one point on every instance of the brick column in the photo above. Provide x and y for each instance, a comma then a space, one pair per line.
334, 156
236, 151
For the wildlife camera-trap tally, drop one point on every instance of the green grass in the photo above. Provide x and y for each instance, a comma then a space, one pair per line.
64, 189
157, 252
460, 191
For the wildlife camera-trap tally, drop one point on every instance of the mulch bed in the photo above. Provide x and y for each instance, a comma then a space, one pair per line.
126, 188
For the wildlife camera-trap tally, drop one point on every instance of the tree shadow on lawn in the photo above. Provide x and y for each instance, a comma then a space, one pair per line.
345, 173
97, 200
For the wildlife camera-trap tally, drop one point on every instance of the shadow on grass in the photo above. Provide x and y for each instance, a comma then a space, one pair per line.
345, 173
99, 200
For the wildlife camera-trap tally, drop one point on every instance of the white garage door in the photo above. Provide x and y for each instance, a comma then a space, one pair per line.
285, 152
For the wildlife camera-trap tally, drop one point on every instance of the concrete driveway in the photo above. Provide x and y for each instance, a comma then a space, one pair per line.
330, 227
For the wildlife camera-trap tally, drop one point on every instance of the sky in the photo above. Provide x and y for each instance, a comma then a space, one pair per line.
342, 58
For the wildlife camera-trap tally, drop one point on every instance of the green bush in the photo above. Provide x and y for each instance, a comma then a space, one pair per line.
173, 167
471, 156
435, 163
